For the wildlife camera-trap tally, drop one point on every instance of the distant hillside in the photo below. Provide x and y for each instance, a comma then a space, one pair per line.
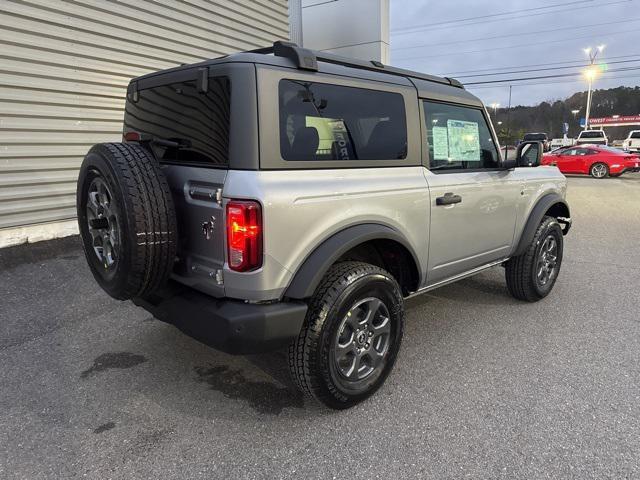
549, 117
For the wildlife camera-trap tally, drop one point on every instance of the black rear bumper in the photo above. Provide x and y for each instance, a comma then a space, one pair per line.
228, 325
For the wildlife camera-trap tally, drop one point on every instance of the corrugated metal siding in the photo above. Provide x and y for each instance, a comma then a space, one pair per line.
64, 67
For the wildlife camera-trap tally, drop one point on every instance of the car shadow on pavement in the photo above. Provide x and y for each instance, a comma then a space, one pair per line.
260, 382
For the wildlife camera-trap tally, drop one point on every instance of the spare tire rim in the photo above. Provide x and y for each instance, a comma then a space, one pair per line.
103, 223
547, 260
363, 339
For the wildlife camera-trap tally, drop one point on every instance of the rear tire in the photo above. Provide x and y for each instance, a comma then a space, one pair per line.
350, 337
599, 170
532, 275
126, 219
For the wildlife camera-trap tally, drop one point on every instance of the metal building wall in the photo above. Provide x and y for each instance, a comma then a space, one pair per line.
64, 67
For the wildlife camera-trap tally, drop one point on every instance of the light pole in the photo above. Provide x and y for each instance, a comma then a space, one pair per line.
590, 72
495, 106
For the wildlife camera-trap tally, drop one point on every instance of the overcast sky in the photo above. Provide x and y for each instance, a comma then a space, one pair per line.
551, 34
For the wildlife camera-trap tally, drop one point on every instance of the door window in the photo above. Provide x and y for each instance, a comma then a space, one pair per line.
579, 152
458, 138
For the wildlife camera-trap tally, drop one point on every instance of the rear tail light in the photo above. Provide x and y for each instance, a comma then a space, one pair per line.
131, 137
244, 235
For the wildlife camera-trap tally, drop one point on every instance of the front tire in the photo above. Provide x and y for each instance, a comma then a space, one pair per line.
350, 337
599, 170
532, 275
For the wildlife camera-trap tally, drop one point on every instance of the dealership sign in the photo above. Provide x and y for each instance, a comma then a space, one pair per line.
615, 121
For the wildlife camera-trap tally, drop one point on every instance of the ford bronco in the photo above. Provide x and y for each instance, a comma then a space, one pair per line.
286, 197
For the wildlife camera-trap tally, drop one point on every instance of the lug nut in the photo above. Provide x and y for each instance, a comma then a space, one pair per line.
367, 344
371, 334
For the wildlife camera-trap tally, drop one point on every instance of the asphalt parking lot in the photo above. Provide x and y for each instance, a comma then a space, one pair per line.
484, 387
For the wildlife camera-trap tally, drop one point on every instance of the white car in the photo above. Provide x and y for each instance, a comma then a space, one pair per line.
594, 137
632, 142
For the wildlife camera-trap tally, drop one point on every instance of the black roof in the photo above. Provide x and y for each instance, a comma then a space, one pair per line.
306, 59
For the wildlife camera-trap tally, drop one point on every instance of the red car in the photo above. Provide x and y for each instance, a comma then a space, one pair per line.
598, 161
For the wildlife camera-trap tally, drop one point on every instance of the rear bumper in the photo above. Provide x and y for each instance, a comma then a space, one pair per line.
229, 325
628, 170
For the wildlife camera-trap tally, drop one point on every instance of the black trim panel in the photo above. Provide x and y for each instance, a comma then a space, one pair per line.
535, 217
308, 276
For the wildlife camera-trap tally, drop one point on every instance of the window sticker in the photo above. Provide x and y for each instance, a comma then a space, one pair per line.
440, 143
464, 140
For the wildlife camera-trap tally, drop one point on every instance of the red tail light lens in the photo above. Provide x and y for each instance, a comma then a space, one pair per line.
131, 137
244, 235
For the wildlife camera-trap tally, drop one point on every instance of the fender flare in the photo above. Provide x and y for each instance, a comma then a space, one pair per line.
535, 217
310, 273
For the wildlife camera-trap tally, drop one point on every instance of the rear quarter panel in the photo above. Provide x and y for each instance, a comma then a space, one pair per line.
301, 209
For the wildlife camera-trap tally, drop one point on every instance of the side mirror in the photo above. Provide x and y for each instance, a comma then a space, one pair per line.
529, 154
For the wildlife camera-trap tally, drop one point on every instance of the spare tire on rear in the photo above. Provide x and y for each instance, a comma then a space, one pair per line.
126, 219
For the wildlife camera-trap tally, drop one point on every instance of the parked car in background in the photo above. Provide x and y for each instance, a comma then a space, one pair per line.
599, 161
560, 142
632, 142
538, 137
593, 137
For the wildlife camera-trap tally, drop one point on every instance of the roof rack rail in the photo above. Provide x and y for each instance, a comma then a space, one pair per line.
308, 60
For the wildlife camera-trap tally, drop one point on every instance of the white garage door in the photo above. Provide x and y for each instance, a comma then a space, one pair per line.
64, 70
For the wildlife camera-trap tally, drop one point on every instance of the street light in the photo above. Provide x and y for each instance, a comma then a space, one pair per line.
495, 108
590, 73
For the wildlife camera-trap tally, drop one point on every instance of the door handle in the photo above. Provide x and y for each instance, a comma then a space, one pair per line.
448, 199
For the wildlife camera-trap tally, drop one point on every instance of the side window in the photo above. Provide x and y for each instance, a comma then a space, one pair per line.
320, 121
458, 138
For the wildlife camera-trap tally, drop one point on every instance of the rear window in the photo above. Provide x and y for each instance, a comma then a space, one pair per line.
611, 150
320, 121
593, 134
635, 135
535, 137
198, 122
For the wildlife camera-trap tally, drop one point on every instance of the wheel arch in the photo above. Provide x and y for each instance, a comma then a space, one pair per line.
550, 204
375, 243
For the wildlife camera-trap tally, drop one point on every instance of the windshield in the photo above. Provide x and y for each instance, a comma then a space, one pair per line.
593, 134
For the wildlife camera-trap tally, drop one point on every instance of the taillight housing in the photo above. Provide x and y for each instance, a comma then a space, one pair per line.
244, 235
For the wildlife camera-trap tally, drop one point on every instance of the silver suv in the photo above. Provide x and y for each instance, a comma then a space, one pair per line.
285, 197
